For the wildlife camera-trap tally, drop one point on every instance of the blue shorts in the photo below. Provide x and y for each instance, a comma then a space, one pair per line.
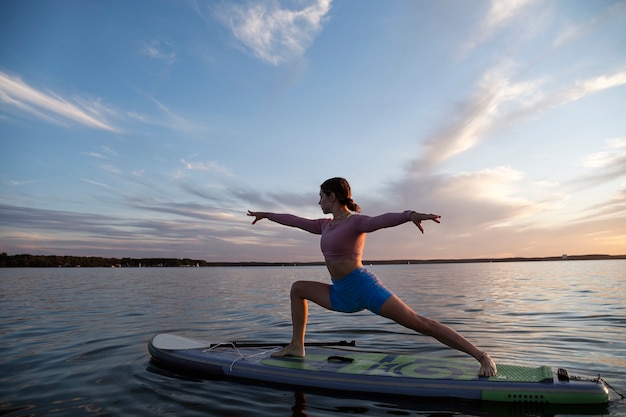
358, 290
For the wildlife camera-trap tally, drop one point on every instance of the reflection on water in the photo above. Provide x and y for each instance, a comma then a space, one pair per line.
438, 408
74, 340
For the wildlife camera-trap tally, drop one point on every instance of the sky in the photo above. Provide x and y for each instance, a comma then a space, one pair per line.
149, 128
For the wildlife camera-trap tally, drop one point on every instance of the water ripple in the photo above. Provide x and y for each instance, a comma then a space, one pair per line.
74, 341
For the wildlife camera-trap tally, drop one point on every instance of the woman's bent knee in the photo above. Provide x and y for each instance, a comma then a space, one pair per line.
298, 289
311, 290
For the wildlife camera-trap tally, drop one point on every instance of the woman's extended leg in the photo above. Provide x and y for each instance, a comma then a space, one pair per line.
395, 309
301, 291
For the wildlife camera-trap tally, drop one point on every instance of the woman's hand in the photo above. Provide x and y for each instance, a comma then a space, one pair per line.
418, 217
258, 215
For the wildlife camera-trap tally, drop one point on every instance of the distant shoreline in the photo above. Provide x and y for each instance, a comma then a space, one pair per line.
433, 261
54, 261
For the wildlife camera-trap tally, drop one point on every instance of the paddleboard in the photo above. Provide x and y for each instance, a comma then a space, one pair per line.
342, 369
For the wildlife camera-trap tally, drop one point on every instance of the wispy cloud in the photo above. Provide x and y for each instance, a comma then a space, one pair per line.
498, 102
500, 14
497, 197
170, 119
616, 204
160, 50
18, 183
211, 166
608, 157
495, 95
99, 184
103, 152
189, 229
163, 52
490, 198
604, 166
18, 95
274, 34
574, 31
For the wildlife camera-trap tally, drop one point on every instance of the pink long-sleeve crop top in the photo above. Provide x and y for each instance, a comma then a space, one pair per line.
344, 239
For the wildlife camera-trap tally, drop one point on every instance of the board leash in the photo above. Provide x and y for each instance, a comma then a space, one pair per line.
275, 346
235, 344
241, 355
598, 380
621, 396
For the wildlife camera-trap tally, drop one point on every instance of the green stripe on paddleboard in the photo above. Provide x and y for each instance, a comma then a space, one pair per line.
409, 366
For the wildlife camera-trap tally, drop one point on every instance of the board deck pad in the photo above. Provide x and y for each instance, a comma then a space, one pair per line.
407, 366
351, 370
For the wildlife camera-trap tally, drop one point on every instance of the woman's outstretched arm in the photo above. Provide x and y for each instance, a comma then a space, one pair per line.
308, 225
369, 224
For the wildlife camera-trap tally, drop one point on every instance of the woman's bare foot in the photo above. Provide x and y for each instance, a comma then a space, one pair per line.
290, 350
487, 365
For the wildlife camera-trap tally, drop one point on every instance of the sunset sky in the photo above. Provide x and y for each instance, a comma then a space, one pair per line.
149, 128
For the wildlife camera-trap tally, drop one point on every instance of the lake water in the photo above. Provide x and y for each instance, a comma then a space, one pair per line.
73, 342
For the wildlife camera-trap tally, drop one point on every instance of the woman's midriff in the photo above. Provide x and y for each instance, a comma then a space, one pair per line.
341, 268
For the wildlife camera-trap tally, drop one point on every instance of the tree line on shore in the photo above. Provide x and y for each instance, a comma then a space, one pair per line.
54, 261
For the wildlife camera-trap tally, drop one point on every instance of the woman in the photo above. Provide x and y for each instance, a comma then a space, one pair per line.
353, 287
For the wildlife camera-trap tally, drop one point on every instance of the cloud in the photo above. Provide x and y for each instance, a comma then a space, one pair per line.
579, 89
573, 31
99, 184
51, 107
103, 152
18, 183
604, 166
15, 94
500, 197
500, 14
170, 119
498, 103
54, 220
211, 167
612, 156
475, 118
614, 206
189, 230
162, 50
274, 34
189, 210
487, 198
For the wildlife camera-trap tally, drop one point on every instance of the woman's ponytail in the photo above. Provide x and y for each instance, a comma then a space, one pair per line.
352, 206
